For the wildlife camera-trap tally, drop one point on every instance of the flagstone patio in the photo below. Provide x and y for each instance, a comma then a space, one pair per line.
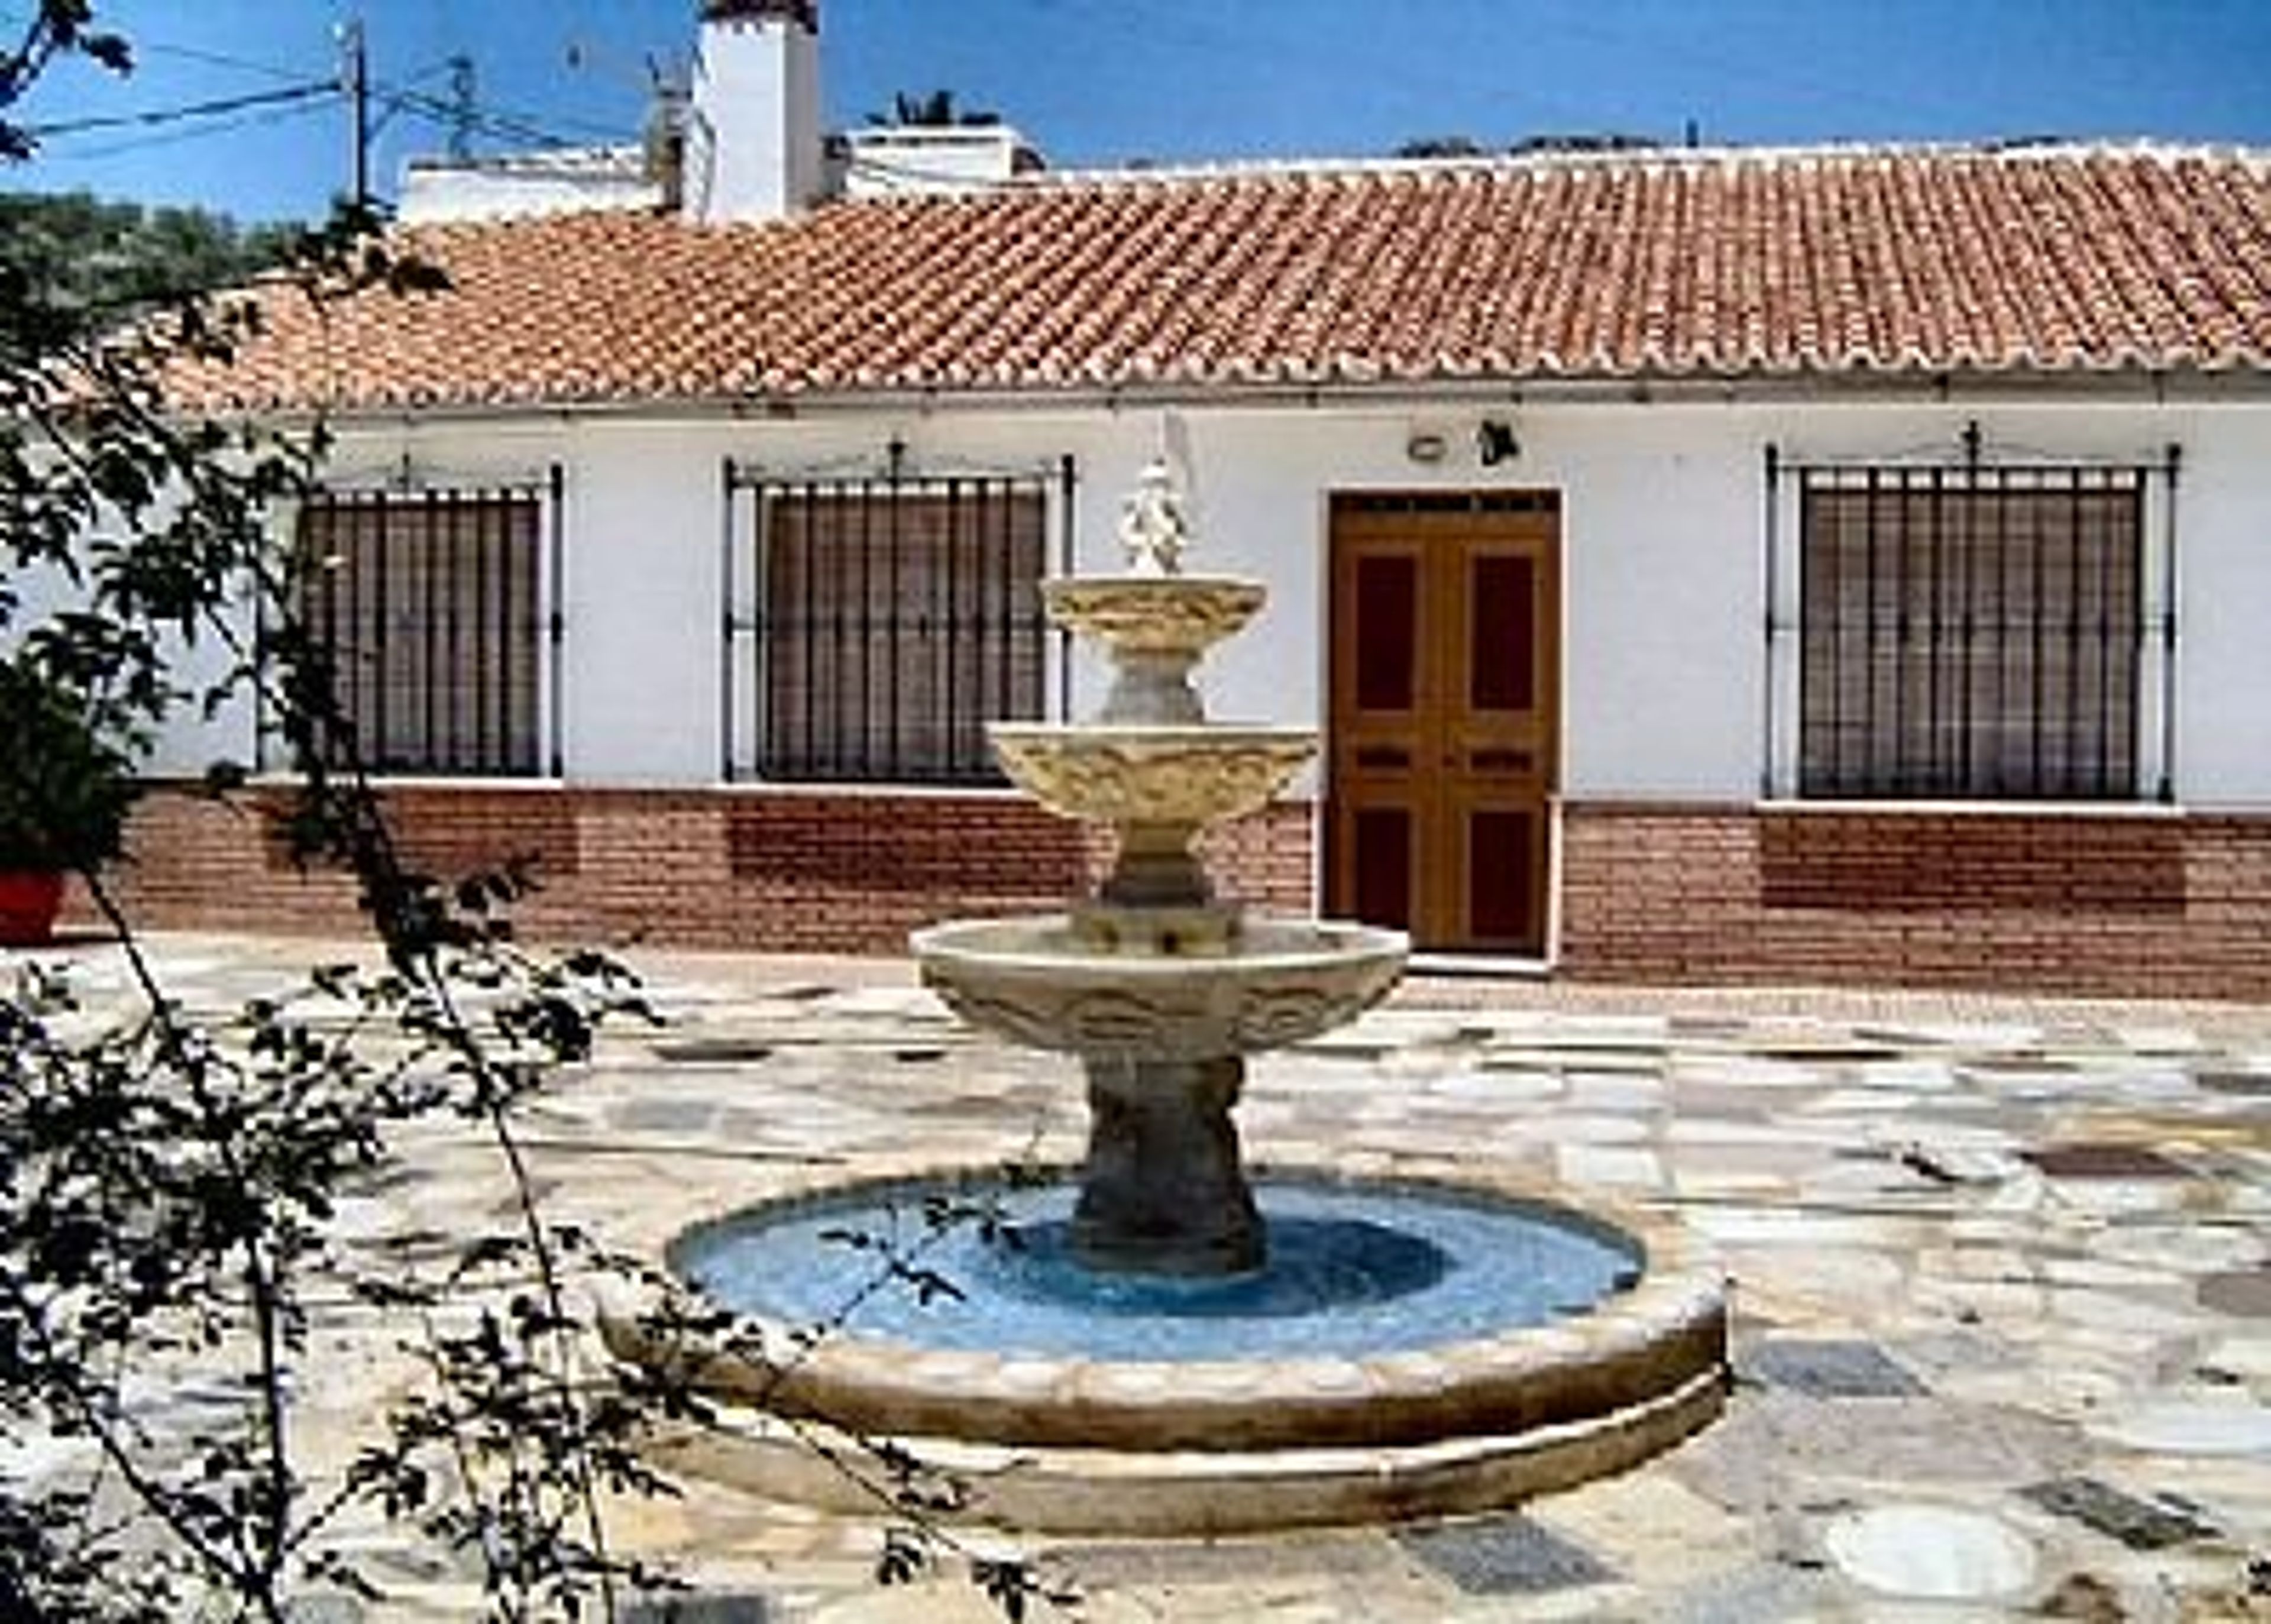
2002, 1273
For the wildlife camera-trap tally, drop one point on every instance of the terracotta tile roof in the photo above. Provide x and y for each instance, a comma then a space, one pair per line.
1736, 265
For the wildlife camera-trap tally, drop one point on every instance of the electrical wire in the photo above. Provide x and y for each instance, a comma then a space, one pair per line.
195, 109
175, 138
219, 59
492, 121
501, 122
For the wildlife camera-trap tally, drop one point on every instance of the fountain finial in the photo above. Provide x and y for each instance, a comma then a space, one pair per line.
1153, 528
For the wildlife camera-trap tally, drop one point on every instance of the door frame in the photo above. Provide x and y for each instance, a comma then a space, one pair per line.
1552, 620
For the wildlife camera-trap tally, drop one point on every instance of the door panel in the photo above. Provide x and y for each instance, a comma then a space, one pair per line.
1502, 593
1380, 873
1384, 593
1445, 715
1500, 902
1382, 746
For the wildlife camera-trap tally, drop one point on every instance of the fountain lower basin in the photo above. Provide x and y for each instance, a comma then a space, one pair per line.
1357, 1268
1305, 1415
1040, 980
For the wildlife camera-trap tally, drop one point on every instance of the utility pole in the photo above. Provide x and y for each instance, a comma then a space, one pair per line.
355, 83
465, 103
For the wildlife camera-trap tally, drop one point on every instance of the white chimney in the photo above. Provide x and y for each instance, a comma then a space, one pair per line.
753, 143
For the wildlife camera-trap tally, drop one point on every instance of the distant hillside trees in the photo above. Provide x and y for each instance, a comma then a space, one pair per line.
71, 252
1583, 141
1442, 146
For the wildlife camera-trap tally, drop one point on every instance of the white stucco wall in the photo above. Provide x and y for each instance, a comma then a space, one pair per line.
909, 160
2223, 608
642, 607
434, 190
1665, 675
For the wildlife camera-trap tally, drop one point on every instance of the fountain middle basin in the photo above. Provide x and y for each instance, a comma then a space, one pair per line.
1046, 982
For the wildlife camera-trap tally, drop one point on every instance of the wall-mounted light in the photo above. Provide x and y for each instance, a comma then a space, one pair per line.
1427, 447
1494, 442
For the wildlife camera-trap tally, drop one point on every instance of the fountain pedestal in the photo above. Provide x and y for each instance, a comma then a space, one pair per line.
1164, 1191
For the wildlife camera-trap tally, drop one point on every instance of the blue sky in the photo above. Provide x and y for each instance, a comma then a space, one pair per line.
1097, 82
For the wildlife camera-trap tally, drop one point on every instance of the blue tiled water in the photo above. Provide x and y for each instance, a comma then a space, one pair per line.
1354, 1269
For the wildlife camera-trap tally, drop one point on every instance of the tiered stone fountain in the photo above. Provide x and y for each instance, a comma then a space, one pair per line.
1161, 989
1430, 1343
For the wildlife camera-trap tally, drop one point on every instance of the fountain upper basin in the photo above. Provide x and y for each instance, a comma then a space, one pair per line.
1154, 613
1038, 980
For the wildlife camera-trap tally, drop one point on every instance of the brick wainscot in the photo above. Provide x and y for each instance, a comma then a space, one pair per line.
766, 870
2139, 903
2126, 902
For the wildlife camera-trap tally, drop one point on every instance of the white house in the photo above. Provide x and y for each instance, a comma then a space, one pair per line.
1801, 565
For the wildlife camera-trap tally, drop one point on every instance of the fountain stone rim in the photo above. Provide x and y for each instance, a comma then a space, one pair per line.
1663, 1334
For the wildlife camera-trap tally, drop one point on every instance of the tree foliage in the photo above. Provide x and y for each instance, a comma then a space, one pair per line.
1442, 146
73, 252
933, 109
168, 1185
1530, 146
172, 1263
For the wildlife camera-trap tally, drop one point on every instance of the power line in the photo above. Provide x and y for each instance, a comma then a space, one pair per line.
195, 109
177, 137
217, 59
456, 116
490, 121
454, 65
461, 112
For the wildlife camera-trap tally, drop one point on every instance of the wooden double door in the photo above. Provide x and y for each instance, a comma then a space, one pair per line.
1444, 741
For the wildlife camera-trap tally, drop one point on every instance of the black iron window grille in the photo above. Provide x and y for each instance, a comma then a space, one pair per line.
895, 616
1972, 632
429, 602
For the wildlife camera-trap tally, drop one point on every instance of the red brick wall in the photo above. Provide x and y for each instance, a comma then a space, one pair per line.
1267, 861
2118, 905
2114, 905
751, 869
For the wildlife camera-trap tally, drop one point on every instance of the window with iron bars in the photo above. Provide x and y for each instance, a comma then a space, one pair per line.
428, 603
1972, 633
896, 617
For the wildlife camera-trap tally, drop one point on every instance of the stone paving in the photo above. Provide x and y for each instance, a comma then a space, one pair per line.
2002, 1273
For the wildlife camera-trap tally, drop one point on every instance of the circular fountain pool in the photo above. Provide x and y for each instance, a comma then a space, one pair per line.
1415, 1345
1353, 1270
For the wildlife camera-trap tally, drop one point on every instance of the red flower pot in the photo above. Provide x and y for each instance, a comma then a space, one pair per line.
28, 906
